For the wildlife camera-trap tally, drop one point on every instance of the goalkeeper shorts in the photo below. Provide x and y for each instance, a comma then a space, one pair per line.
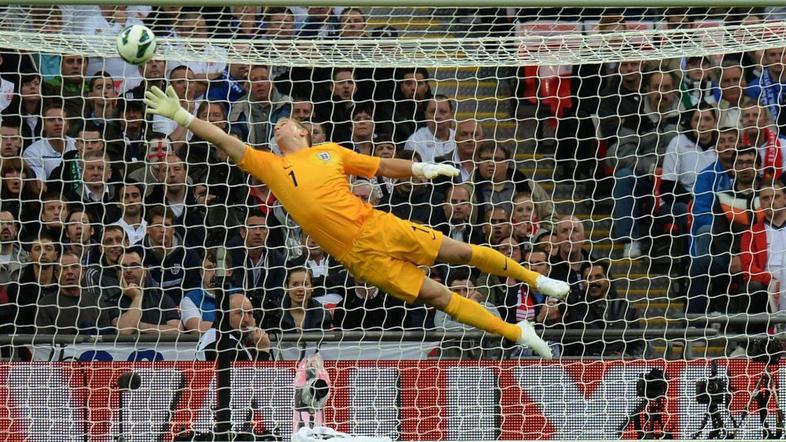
389, 250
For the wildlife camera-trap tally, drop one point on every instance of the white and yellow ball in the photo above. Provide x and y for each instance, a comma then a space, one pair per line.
136, 44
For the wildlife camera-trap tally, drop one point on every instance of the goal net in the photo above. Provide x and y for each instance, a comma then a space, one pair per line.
635, 153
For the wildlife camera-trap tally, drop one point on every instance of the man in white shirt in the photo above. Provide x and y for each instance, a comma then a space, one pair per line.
46, 154
469, 134
132, 221
437, 138
110, 20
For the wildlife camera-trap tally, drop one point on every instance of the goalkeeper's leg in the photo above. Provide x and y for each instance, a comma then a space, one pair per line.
469, 312
491, 261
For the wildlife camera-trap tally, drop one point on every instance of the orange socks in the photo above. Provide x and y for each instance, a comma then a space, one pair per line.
491, 261
469, 312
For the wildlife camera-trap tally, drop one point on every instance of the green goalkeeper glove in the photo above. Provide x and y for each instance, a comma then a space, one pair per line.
431, 171
167, 105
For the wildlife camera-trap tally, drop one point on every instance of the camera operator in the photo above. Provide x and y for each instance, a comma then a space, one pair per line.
251, 343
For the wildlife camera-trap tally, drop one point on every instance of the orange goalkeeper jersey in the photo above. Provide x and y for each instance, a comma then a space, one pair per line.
312, 186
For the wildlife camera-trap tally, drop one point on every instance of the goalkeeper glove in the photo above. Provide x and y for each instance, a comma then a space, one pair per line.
167, 105
431, 171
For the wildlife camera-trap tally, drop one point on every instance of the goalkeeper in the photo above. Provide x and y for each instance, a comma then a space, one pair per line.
377, 247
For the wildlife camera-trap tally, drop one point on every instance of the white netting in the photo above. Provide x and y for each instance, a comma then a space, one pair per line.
635, 154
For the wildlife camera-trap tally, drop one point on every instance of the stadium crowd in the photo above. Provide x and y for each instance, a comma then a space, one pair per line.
111, 222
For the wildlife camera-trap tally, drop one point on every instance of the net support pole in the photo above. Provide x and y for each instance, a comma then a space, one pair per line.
226, 354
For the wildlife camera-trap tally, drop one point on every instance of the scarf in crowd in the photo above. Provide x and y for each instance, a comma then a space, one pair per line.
772, 156
772, 94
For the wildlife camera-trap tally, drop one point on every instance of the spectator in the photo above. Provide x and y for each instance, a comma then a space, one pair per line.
260, 269
768, 88
601, 308
352, 24
526, 224
20, 192
762, 250
12, 256
384, 146
46, 154
460, 215
175, 194
731, 93
52, 214
198, 306
318, 134
37, 279
365, 307
231, 86
715, 178
278, 23
132, 222
102, 112
153, 73
154, 166
69, 86
191, 24
242, 23
172, 267
758, 131
182, 79
250, 343
620, 105
329, 277
469, 135
414, 198
257, 112
570, 256
10, 139
79, 236
143, 308
697, 78
496, 225
73, 309
367, 191
67, 177
687, 155
362, 138
531, 304
496, 180
93, 189
133, 133
302, 109
338, 110
635, 157
24, 112
461, 282
300, 312
104, 274
320, 23
710, 272
437, 138
408, 110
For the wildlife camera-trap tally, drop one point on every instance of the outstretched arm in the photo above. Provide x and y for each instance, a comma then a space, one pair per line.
168, 105
398, 168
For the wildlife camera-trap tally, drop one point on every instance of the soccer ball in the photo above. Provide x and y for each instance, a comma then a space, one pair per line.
136, 44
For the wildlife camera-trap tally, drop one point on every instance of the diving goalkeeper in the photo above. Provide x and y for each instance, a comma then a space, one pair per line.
377, 247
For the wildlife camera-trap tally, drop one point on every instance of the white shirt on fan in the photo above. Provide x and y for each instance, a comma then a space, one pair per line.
43, 158
428, 146
684, 160
776, 264
97, 24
